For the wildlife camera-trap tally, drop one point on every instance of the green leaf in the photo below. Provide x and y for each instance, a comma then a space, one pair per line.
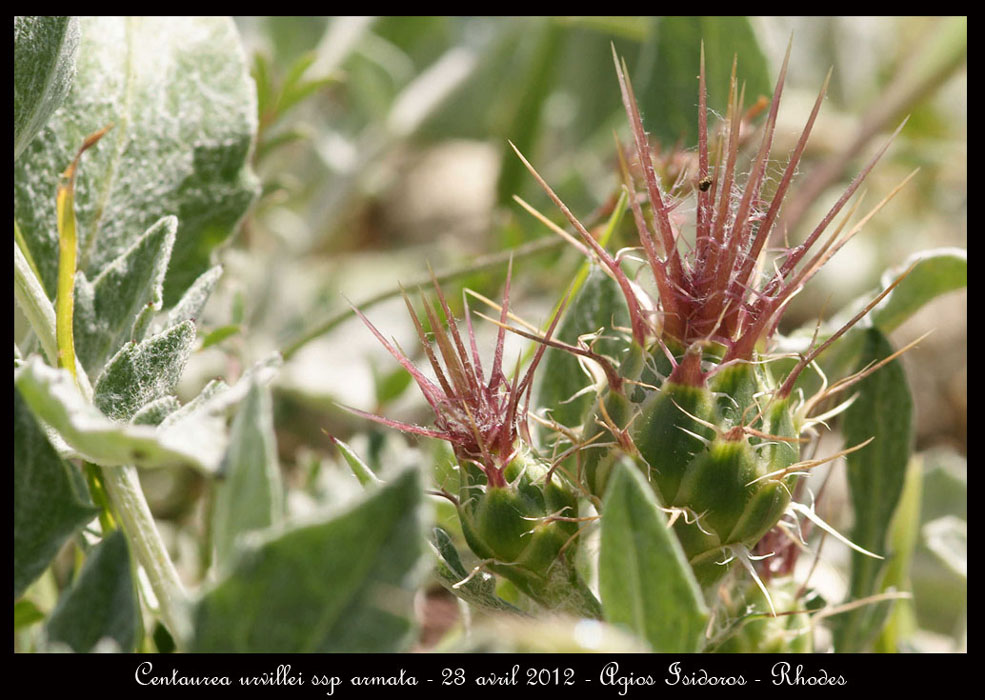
102, 601
538, 81
156, 411
189, 308
903, 537
947, 538
45, 49
294, 90
261, 76
945, 484
184, 109
117, 306
937, 272
50, 499
346, 583
220, 334
87, 433
359, 468
250, 496
876, 474
26, 613
143, 372
217, 399
478, 590
668, 90
645, 581
389, 385
599, 304
940, 594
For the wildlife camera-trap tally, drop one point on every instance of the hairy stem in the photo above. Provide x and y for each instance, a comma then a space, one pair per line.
127, 497
484, 262
35, 304
121, 483
54, 330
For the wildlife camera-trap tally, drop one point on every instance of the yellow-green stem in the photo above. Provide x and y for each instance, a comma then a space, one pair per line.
121, 483
67, 252
67, 257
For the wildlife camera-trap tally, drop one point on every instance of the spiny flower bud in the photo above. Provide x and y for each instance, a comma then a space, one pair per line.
517, 514
749, 630
696, 404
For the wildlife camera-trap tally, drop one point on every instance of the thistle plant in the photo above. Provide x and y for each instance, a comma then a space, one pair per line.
647, 461
693, 395
517, 512
696, 405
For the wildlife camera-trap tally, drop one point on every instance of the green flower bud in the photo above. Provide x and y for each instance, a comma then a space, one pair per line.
525, 529
752, 629
693, 442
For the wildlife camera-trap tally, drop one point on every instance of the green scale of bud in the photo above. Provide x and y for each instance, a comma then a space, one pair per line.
692, 401
516, 514
750, 629
693, 444
525, 529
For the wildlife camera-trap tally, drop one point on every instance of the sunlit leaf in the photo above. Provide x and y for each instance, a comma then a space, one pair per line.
45, 50
50, 499
645, 580
184, 110
345, 583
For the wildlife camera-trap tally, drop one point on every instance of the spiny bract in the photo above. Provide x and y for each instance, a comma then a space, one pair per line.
692, 400
696, 405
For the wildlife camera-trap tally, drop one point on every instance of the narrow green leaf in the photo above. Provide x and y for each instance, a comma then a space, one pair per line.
261, 76
937, 272
217, 399
102, 601
668, 90
143, 372
598, 305
525, 121
189, 308
87, 433
903, 537
478, 590
941, 595
184, 106
116, 306
297, 70
220, 334
26, 613
947, 538
645, 581
50, 499
876, 474
359, 468
389, 385
156, 411
945, 484
300, 92
346, 583
250, 496
45, 50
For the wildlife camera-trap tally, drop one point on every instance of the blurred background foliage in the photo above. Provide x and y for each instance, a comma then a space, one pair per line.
383, 147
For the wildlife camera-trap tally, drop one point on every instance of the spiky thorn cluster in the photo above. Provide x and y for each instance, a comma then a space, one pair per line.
717, 290
718, 305
481, 418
